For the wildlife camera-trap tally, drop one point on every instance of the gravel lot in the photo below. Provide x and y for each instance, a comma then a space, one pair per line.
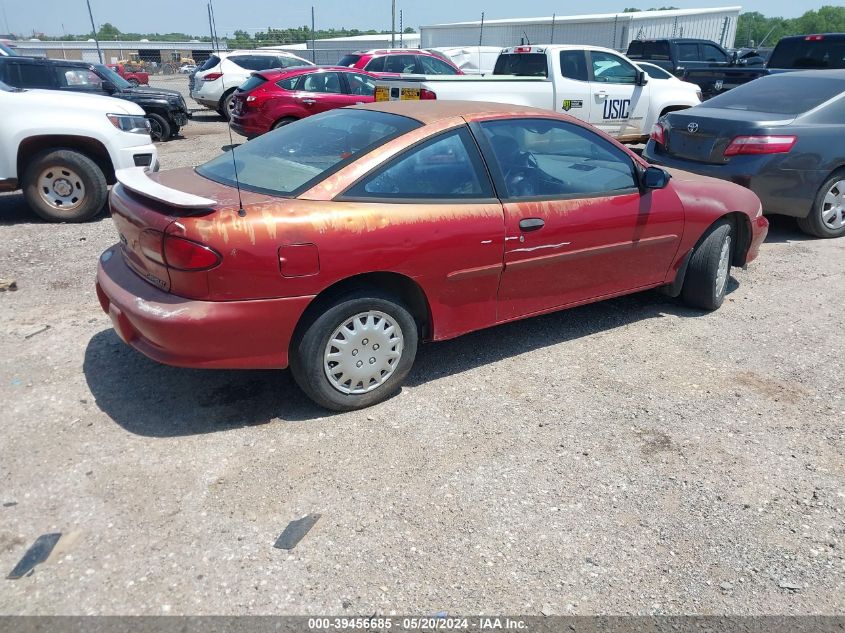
632, 456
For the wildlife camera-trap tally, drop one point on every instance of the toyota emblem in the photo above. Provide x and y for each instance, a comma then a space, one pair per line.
692, 128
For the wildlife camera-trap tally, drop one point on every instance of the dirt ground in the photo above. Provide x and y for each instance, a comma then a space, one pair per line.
632, 456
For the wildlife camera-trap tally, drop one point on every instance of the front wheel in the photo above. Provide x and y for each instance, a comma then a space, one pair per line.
356, 353
827, 217
159, 127
709, 268
64, 186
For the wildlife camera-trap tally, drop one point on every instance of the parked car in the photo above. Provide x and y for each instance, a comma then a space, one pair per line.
678, 55
165, 109
134, 76
345, 238
215, 82
63, 150
782, 136
187, 69
273, 98
400, 60
800, 52
661, 74
596, 85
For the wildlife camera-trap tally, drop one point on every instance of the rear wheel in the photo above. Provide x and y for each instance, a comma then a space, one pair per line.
827, 217
64, 186
159, 127
356, 353
226, 105
709, 268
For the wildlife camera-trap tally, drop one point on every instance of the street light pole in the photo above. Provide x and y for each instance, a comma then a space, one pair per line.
393, 24
94, 29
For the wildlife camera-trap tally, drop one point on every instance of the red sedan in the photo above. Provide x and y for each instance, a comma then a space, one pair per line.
358, 232
272, 98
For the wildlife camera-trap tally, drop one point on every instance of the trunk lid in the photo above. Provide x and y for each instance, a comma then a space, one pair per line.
702, 134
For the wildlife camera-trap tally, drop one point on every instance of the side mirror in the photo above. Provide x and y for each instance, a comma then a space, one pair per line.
642, 78
655, 178
109, 86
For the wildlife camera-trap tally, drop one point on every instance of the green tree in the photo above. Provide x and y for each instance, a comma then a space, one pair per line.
108, 32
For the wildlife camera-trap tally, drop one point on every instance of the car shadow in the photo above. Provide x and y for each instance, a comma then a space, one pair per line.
154, 400
15, 210
784, 229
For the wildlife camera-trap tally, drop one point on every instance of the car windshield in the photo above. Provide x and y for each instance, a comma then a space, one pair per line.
767, 94
809, 53
522, 65
109, 75
5, 50
293, 158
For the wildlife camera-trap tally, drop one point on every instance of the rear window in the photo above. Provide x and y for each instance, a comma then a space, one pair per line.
5, 50
252, 83
649, 50
522, 65
293, 158
802, 53
211, 62
349, 60
767, 94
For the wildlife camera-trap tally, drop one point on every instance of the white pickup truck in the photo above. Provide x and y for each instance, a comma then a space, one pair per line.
63, 149
597, 85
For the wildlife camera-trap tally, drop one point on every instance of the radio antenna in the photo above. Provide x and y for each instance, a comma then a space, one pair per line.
241, 211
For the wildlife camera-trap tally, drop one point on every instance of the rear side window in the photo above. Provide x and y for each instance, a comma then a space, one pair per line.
687, 52
767, 94
349, 60
254, 62
649, 50
38, 76
289, 83
322, 82
522, 65
9, 74
447, 167
252, 83
802, 53
288, 62
211, 62
361, 85
400, 64
573, 65
434, 66
376, 65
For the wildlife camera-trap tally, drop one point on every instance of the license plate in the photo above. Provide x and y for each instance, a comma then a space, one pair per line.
382, 93
410, 94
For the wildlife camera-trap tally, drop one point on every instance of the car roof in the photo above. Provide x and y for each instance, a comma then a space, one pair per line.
301, 70
253, 51
47, 60
427, 112
833, 36
393, 51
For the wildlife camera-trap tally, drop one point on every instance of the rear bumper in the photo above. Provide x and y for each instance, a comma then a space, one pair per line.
782, 191
759, 231
188, 333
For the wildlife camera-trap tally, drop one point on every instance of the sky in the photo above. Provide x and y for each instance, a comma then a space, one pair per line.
55, 17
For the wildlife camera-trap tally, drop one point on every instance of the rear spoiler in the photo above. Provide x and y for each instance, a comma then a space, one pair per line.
136, 179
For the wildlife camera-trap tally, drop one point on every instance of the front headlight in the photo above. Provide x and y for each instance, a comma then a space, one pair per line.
130, 123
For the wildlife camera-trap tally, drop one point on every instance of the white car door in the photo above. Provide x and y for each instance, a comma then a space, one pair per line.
619, 105
572, 84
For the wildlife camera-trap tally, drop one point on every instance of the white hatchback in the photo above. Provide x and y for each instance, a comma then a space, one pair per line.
214, 83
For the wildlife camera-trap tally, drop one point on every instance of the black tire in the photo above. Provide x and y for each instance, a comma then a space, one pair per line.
700, 283
307, 351
225, 109
159, 127
135, 83
174, 131
79, 171
814, 223
283, 122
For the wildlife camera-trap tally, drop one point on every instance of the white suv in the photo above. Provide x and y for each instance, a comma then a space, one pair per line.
63, 149
214, 83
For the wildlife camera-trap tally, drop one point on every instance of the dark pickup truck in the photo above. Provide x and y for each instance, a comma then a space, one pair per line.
680, 55
165, 109
797, 52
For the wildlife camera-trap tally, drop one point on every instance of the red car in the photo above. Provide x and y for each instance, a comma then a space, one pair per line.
361, 231
272, 98
134, 76
398, 60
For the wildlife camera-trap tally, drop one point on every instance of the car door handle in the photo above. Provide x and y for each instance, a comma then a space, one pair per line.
601, 94
531, 224
309, 101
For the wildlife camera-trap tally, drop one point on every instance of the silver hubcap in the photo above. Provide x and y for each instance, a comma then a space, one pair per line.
61, 188
363, 352
833, 206
724, 266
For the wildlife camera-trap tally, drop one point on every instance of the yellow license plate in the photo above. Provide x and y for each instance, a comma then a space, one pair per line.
382, 93
410, 94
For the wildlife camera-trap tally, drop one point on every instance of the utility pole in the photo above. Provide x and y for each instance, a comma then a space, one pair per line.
401, 31
94, 29
481, 32
552, 40
392, 23
313, 39
210, 26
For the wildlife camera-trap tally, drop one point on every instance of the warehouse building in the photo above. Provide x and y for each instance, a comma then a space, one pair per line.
612, 30
148, 51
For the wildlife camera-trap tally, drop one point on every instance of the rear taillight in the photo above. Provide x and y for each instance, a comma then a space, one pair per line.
760, 145
211, 77
658, 134
425, 93
183, 254
176, 252
814, 38
522, 49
